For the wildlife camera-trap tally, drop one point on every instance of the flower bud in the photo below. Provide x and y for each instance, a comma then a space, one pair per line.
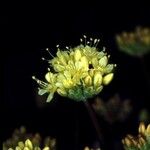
77, 55
28, 144
97, 79
88, 80
21, 145
142, 128
148, 130
107, 78
103, 61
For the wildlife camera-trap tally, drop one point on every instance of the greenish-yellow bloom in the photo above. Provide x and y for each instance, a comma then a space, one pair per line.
21, 140
27, 145
78, 73
141, 142
136, 43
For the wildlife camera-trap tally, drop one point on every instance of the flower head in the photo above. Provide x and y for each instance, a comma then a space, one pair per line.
78, 73
141, 142
21, 140
135, 43
28, 145
114, 110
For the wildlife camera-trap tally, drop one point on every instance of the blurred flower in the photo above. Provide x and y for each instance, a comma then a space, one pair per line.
114, 110
87, 148
141, 142
135, 43
20, 136
144, 115
28, 145
78, 73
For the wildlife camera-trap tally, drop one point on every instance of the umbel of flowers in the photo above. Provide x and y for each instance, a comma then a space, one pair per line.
136, 43
77, 73
27, 145
141, 142
22, 140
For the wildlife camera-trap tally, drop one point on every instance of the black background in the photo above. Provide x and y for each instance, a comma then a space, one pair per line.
27, 29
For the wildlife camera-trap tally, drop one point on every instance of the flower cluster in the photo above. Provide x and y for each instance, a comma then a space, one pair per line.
87, 148
21, 140
114, 110
27, 145
141, 142
135, 43
77, 73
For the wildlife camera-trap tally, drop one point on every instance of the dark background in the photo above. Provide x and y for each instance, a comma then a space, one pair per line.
28, 29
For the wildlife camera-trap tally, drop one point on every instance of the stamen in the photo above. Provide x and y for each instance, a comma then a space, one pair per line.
44, 59
81, 40
84, 40
88, 42
43, 84
104, 49
47, 49
57, 45
98, 40
91, 41
67, 47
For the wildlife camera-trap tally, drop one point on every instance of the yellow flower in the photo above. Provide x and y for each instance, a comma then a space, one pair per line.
143, 130
79, 72
136, 43
27, 145
141, 142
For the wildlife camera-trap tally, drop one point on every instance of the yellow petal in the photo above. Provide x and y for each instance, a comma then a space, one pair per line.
142, 128
21, 145
127, 142
26, 148
84, 63
86, 148
61, 92
97, 79
148, 130
46, 148
67, 84
107, 78
18, 148
91, 72
48, 76
99, 89
77, 55
88, 80
94, 62
28, 144
103, 61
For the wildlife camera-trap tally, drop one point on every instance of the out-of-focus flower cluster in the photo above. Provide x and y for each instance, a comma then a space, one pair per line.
20, 138
28, 145
77, 73
114, 110
140, 142
136, 43
87, 148
144, 115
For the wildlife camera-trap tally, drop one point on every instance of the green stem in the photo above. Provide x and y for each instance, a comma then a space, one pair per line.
94, 120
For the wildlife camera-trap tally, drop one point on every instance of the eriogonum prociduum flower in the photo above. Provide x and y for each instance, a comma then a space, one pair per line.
136, 43
20, 136
28, 145
78, 73
141, 142
114, 110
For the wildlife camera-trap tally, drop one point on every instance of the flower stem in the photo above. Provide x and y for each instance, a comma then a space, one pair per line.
94, 120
